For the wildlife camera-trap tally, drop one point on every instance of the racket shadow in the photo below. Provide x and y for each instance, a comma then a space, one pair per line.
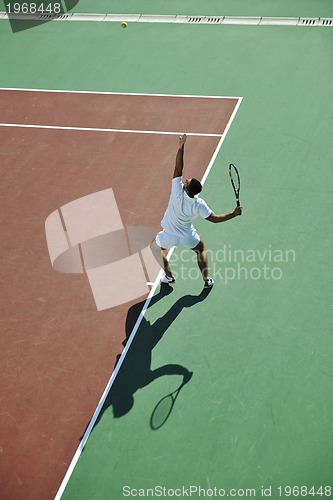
135, 372
164, 407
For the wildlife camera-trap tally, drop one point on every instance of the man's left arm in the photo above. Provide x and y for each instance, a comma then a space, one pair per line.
178, 172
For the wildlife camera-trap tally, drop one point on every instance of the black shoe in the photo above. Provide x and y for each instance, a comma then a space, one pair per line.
209, 283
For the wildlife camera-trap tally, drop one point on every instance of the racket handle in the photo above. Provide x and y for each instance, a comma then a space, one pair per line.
238, 203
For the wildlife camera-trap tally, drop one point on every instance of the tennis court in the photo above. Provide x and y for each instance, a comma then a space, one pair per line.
90, 115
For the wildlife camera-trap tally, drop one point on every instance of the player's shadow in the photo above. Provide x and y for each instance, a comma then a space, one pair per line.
135, 371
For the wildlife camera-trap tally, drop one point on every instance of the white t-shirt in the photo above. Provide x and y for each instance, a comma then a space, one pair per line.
182, 210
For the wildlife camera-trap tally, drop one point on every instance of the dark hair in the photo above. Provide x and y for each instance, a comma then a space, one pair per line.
194, 187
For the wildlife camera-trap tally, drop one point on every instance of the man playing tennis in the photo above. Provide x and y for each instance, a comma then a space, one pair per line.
184, 206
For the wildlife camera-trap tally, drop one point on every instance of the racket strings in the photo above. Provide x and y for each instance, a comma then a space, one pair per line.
161, 412
235, 181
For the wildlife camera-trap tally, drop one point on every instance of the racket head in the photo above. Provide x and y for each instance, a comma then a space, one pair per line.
161, 412
235, 181
164, 407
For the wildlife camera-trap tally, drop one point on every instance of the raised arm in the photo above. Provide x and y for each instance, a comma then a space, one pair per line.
180, 157
224, 217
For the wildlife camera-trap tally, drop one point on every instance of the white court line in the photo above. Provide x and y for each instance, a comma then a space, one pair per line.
50, 91
92, 129
221, 141
106, 392
117, 94
131, 337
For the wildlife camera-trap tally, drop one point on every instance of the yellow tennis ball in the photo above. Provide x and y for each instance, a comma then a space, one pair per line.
123, 24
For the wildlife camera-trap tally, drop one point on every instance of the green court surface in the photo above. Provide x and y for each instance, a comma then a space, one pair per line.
257, 412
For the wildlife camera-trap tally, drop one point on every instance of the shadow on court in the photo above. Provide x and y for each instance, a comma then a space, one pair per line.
46, 9
135, 372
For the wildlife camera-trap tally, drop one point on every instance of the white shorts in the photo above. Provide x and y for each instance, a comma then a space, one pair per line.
166, 240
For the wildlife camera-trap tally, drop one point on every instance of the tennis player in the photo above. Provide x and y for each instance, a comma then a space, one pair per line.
184, 206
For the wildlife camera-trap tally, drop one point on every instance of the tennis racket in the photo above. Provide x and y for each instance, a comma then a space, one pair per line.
164, 408
235, 181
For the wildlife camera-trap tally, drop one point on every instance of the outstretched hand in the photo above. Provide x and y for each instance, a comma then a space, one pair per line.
238, 211
182, 140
